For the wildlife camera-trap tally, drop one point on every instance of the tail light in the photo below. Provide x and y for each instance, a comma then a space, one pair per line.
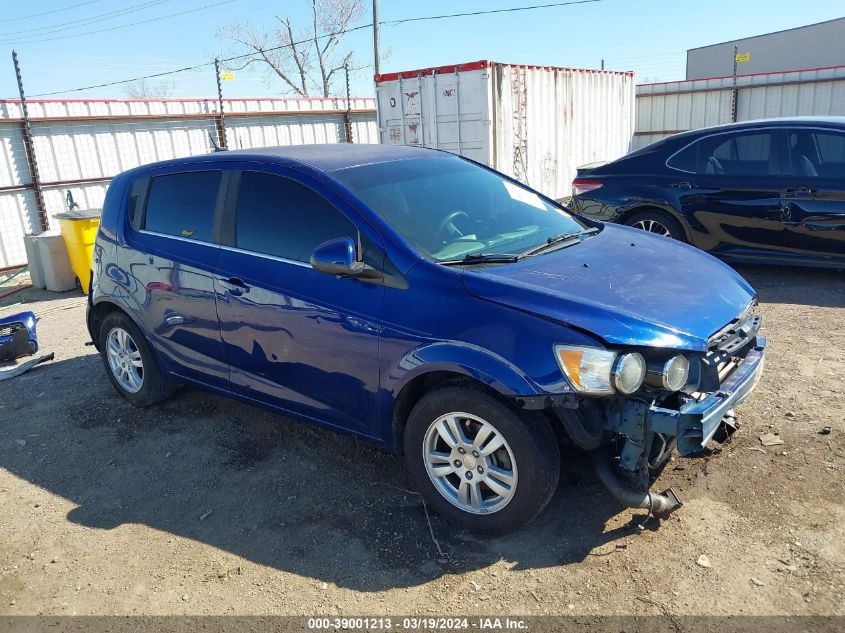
581, 186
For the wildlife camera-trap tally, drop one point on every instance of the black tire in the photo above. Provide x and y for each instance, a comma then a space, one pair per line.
655, 219
156, 385
529, 437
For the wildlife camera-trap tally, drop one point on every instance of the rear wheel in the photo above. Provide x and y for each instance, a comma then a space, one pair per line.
659, 223
130, 364
479, 463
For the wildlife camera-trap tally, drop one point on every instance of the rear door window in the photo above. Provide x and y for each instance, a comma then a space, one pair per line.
737, 154
284, 218
817, 153
183, 205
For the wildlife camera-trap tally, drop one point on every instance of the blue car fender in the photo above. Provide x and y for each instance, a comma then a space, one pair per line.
474, 362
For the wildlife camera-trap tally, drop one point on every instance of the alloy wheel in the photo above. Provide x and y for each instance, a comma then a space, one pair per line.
652, 226
470, 463
125, 361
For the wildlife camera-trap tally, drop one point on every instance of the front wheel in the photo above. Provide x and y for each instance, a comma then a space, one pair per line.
479, 463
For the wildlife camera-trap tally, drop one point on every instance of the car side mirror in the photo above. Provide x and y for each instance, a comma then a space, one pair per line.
338, 257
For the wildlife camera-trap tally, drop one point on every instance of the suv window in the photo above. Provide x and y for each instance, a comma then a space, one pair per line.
281, 217
183, 204
739, 154
817, 153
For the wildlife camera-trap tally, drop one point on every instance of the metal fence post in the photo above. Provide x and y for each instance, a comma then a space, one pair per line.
733, 87
29, 151
221, 119
347, 119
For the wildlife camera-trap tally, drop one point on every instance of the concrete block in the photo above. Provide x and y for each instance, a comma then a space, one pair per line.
54, 261
33, 259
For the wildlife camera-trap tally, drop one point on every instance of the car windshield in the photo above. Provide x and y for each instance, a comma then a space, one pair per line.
448, 208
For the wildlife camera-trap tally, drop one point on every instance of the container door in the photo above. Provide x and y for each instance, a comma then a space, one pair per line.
814, 200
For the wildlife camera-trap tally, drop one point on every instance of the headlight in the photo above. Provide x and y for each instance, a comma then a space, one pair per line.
675, 373
599, 371
629, 372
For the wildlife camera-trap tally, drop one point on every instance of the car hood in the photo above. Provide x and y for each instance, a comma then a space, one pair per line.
624, 286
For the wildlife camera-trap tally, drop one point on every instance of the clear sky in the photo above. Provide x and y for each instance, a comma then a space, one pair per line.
649, 37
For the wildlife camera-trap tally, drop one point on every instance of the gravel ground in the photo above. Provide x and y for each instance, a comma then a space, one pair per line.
203, 505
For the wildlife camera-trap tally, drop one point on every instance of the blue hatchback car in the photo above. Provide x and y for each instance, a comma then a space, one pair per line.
428, 304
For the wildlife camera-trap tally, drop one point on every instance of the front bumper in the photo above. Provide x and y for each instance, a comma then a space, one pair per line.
696, 422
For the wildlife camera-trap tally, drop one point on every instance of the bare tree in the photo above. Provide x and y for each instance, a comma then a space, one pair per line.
142, 90
303, 58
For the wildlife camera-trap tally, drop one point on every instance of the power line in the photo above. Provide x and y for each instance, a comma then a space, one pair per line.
38, 15
123, 26
202, 65
75, 24
304, 41
550, 5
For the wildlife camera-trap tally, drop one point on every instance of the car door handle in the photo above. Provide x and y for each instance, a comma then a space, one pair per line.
683, 185
800, 192
235, 286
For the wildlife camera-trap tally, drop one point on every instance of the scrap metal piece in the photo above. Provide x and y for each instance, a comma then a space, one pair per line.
6, 374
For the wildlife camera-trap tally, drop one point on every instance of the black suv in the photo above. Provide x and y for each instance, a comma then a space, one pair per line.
768, 191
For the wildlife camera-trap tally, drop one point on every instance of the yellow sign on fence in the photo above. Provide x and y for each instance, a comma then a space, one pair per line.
740, 57
227, 76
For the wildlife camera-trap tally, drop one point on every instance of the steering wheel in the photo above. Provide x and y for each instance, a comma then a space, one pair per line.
447, 223
714, 166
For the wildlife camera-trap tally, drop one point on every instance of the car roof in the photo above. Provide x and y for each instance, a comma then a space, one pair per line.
835, 121
321, 157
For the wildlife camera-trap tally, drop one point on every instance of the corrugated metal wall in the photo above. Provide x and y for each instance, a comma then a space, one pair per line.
668, 108
80, 144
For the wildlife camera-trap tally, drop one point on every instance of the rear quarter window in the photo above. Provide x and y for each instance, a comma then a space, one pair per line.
183, 204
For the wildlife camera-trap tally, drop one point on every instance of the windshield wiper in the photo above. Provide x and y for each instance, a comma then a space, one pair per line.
558, 240
482, 258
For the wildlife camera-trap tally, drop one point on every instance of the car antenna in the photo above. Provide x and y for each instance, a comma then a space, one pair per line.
214, 145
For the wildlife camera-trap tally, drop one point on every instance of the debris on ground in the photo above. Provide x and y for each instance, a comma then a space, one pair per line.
703, 561
826, 430
770, 439
17, 370
206, 514
758, 582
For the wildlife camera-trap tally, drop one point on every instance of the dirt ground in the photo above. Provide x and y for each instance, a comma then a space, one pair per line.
204, 505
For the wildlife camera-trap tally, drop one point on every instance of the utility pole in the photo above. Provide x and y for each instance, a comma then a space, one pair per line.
29, 151
376, 43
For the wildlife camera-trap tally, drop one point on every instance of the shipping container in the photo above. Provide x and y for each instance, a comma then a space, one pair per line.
534, 123
676, 106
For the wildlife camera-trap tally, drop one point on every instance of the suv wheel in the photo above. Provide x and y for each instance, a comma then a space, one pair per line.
659, 223
479, 463
130, 364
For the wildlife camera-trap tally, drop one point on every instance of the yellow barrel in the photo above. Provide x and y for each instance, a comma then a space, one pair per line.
79, 230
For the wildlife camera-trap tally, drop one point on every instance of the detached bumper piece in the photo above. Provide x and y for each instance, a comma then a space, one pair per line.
17, 336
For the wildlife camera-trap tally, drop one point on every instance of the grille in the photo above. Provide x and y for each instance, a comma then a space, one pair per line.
7, 329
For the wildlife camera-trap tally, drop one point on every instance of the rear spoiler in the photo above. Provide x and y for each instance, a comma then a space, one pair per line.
588, 167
